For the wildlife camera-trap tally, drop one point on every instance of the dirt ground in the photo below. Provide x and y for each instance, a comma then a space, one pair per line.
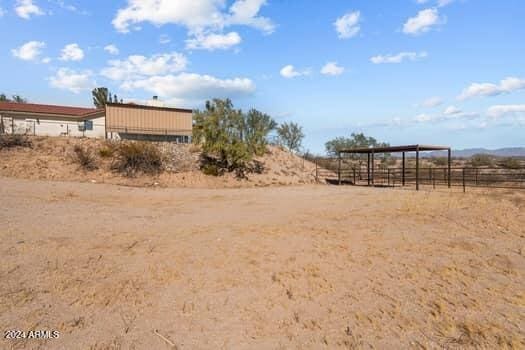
298, 267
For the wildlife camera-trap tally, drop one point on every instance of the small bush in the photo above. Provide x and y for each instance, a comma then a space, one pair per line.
16, 140
211, 169
85, 157
132, 158
439, 161
510, 163
106, 151
479, 160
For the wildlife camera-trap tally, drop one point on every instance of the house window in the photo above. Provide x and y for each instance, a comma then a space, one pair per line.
85, 126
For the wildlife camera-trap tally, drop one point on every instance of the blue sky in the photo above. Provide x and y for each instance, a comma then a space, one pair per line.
405, 71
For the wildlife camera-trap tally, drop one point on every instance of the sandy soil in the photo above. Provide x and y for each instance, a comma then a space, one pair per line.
51, 158
308, 267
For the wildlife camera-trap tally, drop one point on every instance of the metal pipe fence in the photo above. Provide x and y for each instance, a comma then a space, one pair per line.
335, 171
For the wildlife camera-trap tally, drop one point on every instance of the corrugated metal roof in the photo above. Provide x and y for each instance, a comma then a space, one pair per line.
79, 112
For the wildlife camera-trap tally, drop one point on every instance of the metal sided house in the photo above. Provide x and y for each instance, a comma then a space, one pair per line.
152, 123
51, 120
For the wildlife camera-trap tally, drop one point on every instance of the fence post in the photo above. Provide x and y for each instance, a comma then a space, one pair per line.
354, 174
12, 125
477, 170
433, 178
464, 180
34, 127
388, 177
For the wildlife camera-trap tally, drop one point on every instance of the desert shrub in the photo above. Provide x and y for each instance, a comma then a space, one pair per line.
106, 151
291, 136
510, 163
479, 160
132, 158
439, 161
257, 126
219, 130
356, 140
84, 157
212, 169
16, 140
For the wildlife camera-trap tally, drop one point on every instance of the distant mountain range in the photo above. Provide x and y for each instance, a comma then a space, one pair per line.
469, 152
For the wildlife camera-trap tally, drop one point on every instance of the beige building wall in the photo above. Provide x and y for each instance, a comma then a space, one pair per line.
39, 126
135, 119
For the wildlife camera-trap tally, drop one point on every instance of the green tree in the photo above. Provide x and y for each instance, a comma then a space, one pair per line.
219, 129
356, 140
291, 136
18, 99
14, 98
257, 126
101, 96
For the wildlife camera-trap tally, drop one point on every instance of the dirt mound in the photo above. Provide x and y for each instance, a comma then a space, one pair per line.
52, 158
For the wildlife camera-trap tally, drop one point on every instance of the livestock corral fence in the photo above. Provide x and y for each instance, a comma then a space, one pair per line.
330, 171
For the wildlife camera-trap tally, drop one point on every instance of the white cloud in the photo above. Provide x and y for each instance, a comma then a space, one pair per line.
331, 68
76, 82
289, 71
427, 118
196, 15
421, 118
111, 49
46, 60
26, 8
452, 110
192, 87
442, 3
499, 111
71, 52
164, 39
422, 22
30, 51
398, 58
66, 6
432, 102
137, 66
214, 41
2, 12
347, 26
244, 12
505, 86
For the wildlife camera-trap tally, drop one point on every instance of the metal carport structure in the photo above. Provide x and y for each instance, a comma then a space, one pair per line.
370, 152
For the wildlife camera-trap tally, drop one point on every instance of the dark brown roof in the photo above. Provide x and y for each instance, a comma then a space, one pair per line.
392, 149
66, 111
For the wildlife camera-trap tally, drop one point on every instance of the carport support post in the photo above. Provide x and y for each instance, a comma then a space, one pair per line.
316, 171
449, 166
417, 168
339, 169
368, 169
373, 168
403, 174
